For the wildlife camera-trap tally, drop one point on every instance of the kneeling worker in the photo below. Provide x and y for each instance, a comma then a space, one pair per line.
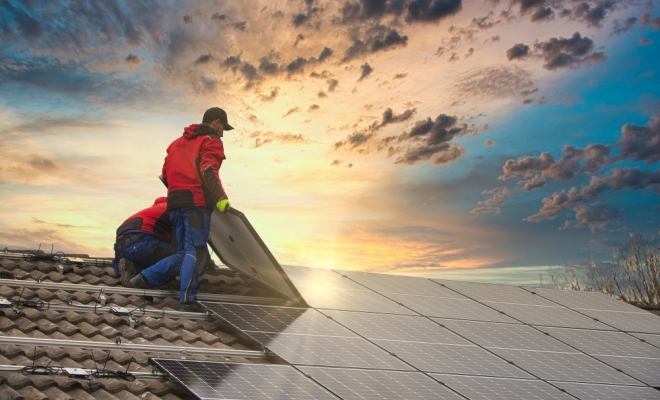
142, 240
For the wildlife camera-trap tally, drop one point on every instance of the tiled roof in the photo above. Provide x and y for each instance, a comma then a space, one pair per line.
70, 324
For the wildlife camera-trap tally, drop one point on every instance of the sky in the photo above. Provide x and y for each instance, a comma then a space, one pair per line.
421, 137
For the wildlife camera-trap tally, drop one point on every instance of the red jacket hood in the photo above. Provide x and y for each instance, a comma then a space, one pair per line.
198, 129
160, 200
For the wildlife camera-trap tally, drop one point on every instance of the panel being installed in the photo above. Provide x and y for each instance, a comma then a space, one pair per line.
450, 308
565, 366
495, 293
322, 288
354, 384
237, 244
304, 336
505, 336
482, 388
400, 284
215, 380
548, 316
586, 391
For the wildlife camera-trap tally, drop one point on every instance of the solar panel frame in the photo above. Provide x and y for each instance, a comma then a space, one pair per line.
487, 388
568, 367
504, 336
354, 384
495, 293
229, 233
638, 322
443, 307
645, 369
329, 351
649, 338
610, 343
224, 380
351, 300
554, 315
583, 299
590, 391
465, 359
395, 327
386, 284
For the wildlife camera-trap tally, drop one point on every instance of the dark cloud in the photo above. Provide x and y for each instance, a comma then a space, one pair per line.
542, 13
375, 39
267, 67
431, 140
628, 23
366, 71
431, 10
304, 17
296, 66
325, 54
321, 94
647, 20
133, 59
400, 76
596, 217
564, 53
203, 59
527, 5
588, 160
336, 163
332, 84
270, 96
239, 25
645, 41
414, 10
187, 19
519, 50
489, 143
314, 107
363, 137
536, 182
641, 143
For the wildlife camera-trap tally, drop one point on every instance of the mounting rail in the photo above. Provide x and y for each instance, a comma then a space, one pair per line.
122, 346
139, 375
227, 298
137, 312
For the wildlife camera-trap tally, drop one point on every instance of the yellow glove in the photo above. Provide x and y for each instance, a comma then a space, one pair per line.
223, 205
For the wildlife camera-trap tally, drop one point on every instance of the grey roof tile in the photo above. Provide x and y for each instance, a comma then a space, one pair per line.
6, 392
30, 392
54, 393
81, 394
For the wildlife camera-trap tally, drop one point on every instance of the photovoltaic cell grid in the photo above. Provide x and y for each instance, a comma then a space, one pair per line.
587, 391
495, 293
583, 300
329, 290
548, 316
481, 388
213, 380
238, 246
400, 284
641, 322
376, 385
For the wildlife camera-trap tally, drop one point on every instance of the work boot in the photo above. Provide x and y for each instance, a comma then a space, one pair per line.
139, 282
127, 271
191, 307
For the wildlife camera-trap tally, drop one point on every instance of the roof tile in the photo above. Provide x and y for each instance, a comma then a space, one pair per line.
6, 392
55, 393
80, 394
56, 276
32, 393
47, 327
25, 325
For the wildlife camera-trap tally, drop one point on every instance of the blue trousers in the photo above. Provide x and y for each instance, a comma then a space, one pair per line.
191, 229
142, 248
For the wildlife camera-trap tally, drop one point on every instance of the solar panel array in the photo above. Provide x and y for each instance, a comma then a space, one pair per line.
370, 336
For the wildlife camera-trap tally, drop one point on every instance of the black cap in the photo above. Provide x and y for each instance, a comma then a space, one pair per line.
217, 113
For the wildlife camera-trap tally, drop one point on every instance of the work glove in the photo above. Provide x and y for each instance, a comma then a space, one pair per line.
223, 205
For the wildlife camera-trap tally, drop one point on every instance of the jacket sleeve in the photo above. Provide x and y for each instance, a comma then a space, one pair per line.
211, 155
163, 172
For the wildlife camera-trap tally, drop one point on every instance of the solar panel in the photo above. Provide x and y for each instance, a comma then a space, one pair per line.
548, 316
505, 336
571, 367
495, 293
587, 391
354, 384
318, 277
215, 380
237, 244
482, 388
584, 300
329, 351
272, 319
452, 359
395, 327
604, 343
641, 321
400, 284
450, 308
649, 338
645, 369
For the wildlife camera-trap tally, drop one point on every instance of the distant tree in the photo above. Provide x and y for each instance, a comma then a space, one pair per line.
633, 274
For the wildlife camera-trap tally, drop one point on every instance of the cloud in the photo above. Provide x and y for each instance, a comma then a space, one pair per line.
645, 41
485, 210
494, 82
597, 217
332, 84
272, 95
489, 143
375, 39
366, 71
264, 138
641, 143
291, 111
518, 50
414, 10
203, 59
628, 23
542, 13
360, 138
568, 53
133, 59
498, 197
646, 20
592, 15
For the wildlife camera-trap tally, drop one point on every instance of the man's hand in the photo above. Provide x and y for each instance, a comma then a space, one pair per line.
223, 205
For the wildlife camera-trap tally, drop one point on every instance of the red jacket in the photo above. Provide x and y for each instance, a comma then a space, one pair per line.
154, 220
191, 167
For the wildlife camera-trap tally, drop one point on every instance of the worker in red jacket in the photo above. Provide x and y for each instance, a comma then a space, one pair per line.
142, 240
194, 189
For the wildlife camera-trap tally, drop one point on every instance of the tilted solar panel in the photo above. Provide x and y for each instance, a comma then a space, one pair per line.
485, 388
586, 391
237, 244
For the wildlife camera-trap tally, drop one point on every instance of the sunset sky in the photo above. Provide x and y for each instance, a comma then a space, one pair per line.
403, 136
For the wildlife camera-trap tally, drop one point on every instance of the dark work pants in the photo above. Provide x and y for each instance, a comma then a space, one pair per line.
191, 229
142, 248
